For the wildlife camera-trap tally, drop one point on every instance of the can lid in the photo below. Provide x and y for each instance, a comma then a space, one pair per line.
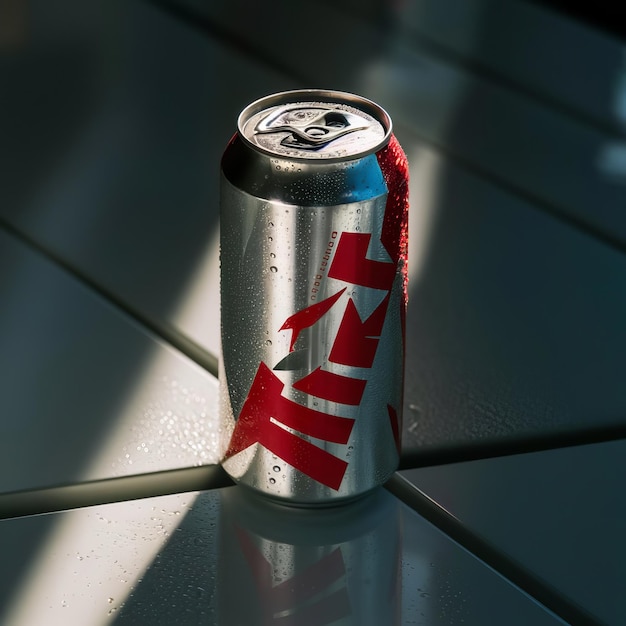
315, 124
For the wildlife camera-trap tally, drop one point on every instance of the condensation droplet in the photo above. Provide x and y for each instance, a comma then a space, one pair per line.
273, 269
272, 481
276, 468
268, 342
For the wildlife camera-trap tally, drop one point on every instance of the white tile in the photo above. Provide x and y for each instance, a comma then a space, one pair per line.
220, 558
80, 567
86, 393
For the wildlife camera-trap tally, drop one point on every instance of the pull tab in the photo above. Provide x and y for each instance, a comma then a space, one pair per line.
310, 127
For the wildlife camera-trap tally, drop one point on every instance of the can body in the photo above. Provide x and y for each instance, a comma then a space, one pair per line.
313, 295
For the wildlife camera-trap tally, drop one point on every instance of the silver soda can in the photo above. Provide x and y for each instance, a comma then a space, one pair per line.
313, 223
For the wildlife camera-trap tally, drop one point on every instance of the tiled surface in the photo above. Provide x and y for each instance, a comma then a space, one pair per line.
86, 393
559, 514
127, 195
220, 558
516, 322
113, 119
541, 52
119, 175
576, 170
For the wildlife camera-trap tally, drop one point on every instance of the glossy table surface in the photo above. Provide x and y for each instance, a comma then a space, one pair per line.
508, 507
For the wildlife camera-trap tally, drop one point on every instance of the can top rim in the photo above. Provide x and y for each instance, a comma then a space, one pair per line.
363, 127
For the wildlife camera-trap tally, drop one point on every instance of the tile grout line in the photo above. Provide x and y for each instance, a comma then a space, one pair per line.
161, 330
111, 490
508, 568
152, 484
204, 25
477, 450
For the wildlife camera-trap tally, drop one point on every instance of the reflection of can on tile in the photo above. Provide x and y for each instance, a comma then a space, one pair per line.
313, 226
288, 567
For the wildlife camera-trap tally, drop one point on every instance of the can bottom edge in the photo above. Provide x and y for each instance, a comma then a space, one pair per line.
306, 504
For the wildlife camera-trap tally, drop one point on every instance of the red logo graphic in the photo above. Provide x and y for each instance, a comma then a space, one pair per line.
267, 414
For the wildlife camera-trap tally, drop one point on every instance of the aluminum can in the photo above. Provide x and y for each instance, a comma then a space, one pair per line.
313, 242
